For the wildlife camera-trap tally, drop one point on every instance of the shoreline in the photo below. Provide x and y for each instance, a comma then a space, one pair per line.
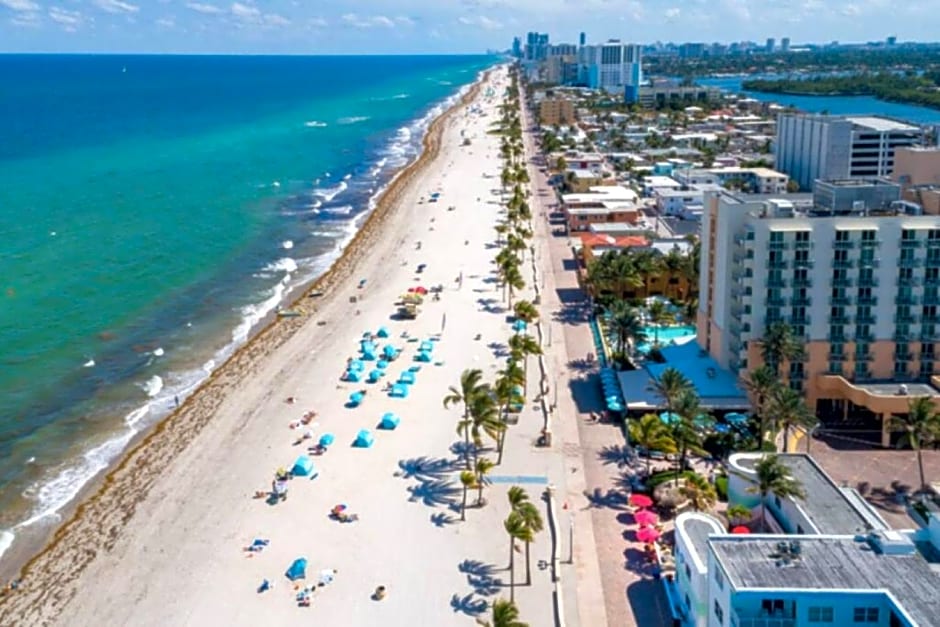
127, 482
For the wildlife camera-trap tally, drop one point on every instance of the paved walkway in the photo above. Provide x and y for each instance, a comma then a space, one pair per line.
609, 593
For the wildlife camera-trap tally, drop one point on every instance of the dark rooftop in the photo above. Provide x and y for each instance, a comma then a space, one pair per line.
698, 531
826, 505
832, 563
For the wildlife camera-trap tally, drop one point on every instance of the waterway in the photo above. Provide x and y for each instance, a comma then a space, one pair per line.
836, 105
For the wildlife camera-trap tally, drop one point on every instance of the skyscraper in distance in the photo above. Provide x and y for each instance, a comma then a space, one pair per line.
785, 44
582, 40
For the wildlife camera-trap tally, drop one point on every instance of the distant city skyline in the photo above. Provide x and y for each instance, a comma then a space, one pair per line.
423, 26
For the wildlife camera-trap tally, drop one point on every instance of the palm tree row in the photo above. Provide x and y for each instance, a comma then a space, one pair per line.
523, 523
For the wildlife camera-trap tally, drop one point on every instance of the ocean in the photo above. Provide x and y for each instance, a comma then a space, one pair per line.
153, 210
836, 105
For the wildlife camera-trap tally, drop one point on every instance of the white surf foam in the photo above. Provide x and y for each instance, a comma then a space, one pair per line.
285, 264
329, 193
89, 364
344, 210
159, 352
353, 119
315, 124
287, 244
152, 386
6, 539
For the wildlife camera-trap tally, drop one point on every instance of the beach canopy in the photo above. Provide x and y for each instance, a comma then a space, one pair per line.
297, 570
356, 365
382, 332
390, 351
735, 418
390, 420
355, 398
740, 530
640, 500
375, 375
303, 467
423, 356
354, 375
364, 439
647, 534
407, 377
519, 325
399, 390
669, 418
382, 364
369, 355
645, 517
327, 439
426, 345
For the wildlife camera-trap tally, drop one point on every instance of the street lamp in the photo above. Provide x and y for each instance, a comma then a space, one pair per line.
571, 538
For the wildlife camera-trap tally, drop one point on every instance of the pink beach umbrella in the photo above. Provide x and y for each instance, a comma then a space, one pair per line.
647, 534
645, 517
640, 500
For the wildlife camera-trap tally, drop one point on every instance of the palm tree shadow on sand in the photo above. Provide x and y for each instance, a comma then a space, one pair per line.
481, 577
425, 468
435, 493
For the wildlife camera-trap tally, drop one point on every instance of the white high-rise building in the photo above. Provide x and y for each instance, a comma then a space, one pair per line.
614, 67
811, 147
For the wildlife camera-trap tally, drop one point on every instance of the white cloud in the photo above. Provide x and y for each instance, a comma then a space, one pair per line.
205, 9
317, 22
68, 20
673, 13
245, 12
117, 6
480, 21
166, 22
20, 6
273, 19
375, 21
850, 10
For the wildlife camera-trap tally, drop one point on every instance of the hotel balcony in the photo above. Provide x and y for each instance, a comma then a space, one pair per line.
801, 301
866, 319
870, 243
802, 282
838, 337
802, 263
911, 243
840, 319
932, 280
931, 319
777, 245
869, 263
909, 281
776, 282
841, 301
842, 282
776, 301
908, 299
804, 245
864, 357
870, 301
843, 245
910, 262
843, 263
838, 357
777, 265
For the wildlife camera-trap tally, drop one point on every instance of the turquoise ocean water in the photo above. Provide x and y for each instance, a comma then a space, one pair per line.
152, 210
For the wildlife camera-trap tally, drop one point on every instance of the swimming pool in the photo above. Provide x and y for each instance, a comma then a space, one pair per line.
666, 336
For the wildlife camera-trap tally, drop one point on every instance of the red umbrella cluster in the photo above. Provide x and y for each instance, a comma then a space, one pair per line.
740, 529
640, 500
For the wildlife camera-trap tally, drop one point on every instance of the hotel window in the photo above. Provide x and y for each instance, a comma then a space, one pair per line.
719, 580
868, 235
820, 615
719, 614
842, 236
865, 615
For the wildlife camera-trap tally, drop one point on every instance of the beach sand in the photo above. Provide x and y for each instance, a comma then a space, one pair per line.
161, 543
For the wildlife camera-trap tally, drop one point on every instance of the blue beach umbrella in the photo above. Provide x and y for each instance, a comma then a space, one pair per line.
407, 377
375, 375
735, 418
669, 418
399, 390
356, 365
355, 398
327, 439
353, 375
423, 356
390, 351
519, 325
382, 364
426, 346
390, 420
382, 332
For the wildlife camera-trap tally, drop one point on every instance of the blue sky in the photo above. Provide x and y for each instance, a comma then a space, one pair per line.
415, 26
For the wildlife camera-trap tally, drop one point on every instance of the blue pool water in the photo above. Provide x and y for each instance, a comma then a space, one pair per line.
666, 335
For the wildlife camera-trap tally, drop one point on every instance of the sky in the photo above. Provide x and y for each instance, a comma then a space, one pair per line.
438, 26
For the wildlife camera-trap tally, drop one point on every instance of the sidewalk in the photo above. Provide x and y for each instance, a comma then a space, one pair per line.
608, 593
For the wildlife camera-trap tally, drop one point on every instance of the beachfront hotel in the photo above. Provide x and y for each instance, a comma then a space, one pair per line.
828, 558
854, 273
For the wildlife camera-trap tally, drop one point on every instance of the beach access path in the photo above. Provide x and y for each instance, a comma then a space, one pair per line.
611, 586
178, 558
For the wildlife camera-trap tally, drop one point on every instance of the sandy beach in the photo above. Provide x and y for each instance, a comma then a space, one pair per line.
162, 542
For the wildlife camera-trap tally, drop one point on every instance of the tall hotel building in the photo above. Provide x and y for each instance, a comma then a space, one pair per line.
614, 67
859, 284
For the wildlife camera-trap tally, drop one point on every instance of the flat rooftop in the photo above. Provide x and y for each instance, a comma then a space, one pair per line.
881, 125
894, 389
831, 563
827, 506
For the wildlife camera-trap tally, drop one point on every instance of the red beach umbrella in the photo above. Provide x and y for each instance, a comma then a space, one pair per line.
640, 500
740, 529
647, 534
421, 290
645, 517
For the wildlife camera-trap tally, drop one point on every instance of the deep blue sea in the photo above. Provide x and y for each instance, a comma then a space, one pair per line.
153, 209
836, 105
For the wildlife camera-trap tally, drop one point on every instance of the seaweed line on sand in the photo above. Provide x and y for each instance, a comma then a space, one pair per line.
48, 578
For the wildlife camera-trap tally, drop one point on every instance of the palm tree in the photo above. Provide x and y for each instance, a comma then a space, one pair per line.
650, 433
512, 280
788, 409
659, 315
684, 431
760, 383
526, 311
484, 420
534, 524
481, 469
625, 326
507, 394
921, 427
468, 481
516, 528
670, 385
773, 476
505, 614
700, 492
779, 345
520, 347
738, 513
470, 387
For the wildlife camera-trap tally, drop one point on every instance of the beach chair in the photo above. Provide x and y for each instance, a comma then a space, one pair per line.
364, 439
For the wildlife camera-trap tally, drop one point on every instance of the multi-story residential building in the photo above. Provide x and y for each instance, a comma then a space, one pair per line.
556, 112
916, 165
691, 50
613, 67
771, 45
861, 292
516, 48
828, 558
756, 180
811, 147
785, 45
661, 95
536, 46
